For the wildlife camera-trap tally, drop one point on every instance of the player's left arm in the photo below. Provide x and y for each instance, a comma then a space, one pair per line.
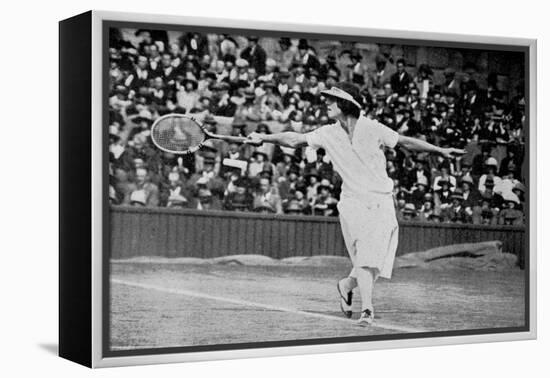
419, 145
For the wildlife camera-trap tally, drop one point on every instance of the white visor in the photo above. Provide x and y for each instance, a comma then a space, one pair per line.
339, 93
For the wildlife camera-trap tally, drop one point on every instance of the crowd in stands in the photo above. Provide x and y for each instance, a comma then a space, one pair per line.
237, 85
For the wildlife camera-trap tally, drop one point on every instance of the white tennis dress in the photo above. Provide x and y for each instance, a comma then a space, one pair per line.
367, 214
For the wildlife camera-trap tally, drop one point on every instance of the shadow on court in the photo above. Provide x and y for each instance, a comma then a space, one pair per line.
161, 305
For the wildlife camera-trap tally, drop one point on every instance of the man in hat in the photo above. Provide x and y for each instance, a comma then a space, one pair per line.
307, 57
472, 200
140, 75
456, 212
419, 191
255, 55
221, 104
380, 76
451, 86
419, 172
442, 196
355, 145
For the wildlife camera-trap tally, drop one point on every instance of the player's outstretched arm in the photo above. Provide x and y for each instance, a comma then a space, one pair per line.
287, 139
414, 144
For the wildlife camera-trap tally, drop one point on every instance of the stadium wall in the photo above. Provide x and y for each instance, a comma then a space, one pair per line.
208, 234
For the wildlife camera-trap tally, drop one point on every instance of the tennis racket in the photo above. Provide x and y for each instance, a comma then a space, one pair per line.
183, 134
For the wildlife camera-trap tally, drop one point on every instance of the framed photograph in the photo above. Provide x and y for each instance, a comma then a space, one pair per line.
273, 189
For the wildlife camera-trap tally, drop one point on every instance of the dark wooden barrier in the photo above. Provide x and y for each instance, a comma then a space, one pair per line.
206, 234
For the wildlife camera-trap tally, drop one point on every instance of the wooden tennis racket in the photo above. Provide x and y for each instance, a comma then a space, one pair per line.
183, 134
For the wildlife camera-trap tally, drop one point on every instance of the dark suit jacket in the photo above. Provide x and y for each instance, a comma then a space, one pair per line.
256, 58
400, 85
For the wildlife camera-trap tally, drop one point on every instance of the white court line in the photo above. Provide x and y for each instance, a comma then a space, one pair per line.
241, 302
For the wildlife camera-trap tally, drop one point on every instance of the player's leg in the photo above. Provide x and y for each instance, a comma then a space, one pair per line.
346, 285
366, 278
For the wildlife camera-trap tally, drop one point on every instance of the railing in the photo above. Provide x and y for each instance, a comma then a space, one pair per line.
207, 234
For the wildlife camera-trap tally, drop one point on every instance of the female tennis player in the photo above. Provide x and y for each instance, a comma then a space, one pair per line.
355, 144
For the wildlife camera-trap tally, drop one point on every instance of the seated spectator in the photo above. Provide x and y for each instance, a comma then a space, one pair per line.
188, 95
419, 172
418, 192
511, 215
240, 199
465, 172
408, 213
446, 176
519, 190
259, 163
177, 201
507, 184
294, 207
491, 166
204, 199
148, 192
312, 181
174, 191
324, 203
267, 197
471, 201
495, 200
455, 213
427, 209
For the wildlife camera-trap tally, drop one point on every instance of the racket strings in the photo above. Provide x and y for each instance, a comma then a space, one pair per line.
177, 134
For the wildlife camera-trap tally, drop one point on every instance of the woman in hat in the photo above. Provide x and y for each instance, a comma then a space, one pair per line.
367, 215
324, 203
511, 215
491, 166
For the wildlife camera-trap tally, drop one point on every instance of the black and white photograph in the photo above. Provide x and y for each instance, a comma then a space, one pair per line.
273, 189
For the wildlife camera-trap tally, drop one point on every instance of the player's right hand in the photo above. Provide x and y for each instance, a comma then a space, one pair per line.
254, 139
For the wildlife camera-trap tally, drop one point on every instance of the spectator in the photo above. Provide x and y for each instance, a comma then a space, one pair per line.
490, 169
255, 55
324, 203
266, 198
240, 199
401, 79
142, 190
511, 215
187, 95
408, 213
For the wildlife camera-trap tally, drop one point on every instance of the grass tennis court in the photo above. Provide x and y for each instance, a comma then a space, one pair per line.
172, 305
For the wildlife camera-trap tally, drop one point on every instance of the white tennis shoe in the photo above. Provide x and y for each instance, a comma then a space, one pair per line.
345, 299
366, 319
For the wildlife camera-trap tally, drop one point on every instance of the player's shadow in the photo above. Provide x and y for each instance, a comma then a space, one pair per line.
50, 348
